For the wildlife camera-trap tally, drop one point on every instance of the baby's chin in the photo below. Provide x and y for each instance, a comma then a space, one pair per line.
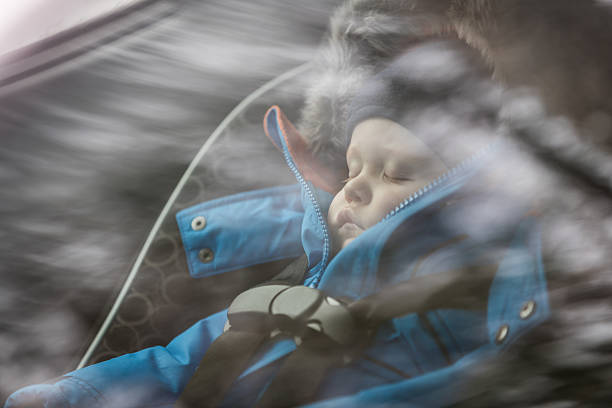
347, 241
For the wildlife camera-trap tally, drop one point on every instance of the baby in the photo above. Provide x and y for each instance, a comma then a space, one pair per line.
406, 131
399, 145
386, 164
410, 300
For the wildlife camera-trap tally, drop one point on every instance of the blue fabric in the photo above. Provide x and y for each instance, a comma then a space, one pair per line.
438, 388
152, 377
315, 237
290, 219
235, 225
520, 279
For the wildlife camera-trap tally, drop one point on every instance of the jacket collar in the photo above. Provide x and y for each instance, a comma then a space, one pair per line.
283, 134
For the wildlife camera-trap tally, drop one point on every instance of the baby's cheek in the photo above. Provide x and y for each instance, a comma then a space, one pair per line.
391, 199
335, 206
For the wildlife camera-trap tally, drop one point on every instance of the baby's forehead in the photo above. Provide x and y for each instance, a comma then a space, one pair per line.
381, 140
441, 130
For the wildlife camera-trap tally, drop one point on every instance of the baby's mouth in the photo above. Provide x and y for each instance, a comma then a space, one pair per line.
347, 224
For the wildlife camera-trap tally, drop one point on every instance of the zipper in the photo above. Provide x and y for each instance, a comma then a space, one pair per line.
318, 211
462, 168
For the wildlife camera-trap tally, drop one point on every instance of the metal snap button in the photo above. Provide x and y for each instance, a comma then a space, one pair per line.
198, 223
527, 309
502, 333
206, 255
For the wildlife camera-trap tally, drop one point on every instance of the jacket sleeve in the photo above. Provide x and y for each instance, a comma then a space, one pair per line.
232, 228
150, 377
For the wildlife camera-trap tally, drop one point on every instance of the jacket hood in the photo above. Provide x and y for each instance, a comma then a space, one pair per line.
547, 47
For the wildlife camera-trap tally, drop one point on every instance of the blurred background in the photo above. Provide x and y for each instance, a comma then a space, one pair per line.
28, 21
95, 136
104, 104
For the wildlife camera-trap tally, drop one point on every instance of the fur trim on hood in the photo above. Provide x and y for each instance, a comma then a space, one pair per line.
560, 49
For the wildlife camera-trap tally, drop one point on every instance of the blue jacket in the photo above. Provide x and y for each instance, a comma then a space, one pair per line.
430, 232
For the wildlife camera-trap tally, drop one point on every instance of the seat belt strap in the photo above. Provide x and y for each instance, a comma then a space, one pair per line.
329, 329
301, 374
226, 358
298, 380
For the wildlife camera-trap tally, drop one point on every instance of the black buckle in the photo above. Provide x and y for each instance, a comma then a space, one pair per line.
296, 310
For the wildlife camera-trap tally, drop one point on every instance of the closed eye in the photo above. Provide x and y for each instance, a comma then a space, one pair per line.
399, 179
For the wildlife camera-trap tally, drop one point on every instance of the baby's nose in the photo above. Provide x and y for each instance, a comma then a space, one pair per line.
357, 191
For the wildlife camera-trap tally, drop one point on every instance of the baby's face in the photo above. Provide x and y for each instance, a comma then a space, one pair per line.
386, 164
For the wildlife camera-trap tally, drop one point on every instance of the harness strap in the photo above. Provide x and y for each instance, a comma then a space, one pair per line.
292, 274
300, 375
228, 356
325, 327
222, 363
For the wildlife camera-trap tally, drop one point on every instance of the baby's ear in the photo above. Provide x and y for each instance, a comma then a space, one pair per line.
282, 133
